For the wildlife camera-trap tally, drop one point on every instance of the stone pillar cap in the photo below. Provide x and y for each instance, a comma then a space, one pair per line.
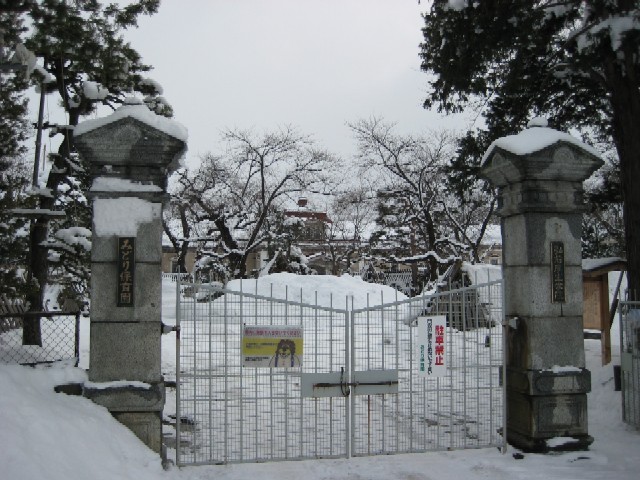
134, 138
141, 113
539, 153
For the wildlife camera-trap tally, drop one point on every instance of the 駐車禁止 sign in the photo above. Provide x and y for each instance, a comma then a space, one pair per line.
431, 346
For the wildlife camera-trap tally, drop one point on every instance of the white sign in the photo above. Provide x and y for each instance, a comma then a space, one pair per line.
432, 346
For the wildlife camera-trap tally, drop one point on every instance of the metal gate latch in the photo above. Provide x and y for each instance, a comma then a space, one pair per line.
371, 382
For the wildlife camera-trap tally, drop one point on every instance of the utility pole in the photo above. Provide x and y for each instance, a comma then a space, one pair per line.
36, 160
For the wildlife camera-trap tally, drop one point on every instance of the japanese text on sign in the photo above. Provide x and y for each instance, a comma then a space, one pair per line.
557, 272
431, 346
273, 346
126, 263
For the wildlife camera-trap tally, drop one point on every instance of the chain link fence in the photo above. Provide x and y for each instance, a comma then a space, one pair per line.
59, 333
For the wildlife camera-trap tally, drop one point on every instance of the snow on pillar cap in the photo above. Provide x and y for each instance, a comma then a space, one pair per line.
132, 143
538, 122
539, 153
141, 113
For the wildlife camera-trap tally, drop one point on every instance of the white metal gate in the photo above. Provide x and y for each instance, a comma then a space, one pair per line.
358, 391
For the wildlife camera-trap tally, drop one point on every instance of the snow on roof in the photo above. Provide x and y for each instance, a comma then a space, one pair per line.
592, 264
141, 113
535, 138
308, 215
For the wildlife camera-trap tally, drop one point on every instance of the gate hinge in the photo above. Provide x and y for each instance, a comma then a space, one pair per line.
164, 328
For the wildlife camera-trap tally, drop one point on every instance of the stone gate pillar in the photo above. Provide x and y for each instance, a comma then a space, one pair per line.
131, 153
539, 175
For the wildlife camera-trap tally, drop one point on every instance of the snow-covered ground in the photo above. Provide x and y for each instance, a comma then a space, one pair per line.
45, 435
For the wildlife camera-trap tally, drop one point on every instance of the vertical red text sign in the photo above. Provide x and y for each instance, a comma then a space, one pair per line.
126, 264
431, 346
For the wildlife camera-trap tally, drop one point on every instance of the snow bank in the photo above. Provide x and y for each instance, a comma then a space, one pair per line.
58, 437
480, 273
322, 290
44, 435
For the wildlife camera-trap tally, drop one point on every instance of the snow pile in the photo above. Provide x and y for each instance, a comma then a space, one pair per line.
44, 435
481, 273
54, 436
322, 290
60, 437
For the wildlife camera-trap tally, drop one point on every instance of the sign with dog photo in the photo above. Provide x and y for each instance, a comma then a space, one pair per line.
272, 346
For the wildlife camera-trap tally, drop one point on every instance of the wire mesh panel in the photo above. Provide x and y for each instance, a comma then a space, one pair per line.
233, 413
462, 408
358, 389
630, 361
59, 334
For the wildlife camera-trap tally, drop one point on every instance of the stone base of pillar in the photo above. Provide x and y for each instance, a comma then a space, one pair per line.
147, 426
537, 445
542, 423
139, 408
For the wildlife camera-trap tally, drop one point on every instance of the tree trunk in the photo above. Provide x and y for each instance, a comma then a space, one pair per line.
38, 266
625, 100
38, 255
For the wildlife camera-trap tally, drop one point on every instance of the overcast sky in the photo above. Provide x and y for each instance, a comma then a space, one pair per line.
313, 64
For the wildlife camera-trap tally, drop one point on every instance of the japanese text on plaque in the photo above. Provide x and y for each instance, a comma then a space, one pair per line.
126, 263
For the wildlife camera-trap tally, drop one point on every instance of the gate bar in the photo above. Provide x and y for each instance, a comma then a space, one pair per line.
178, 416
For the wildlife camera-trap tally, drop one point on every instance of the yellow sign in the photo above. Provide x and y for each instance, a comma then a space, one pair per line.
273, 346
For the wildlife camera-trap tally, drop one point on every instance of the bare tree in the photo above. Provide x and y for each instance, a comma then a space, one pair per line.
231, 197
352, 213
418, 210
176, 225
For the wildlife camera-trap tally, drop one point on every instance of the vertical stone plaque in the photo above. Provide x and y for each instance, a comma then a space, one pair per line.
558, 283
126, 264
